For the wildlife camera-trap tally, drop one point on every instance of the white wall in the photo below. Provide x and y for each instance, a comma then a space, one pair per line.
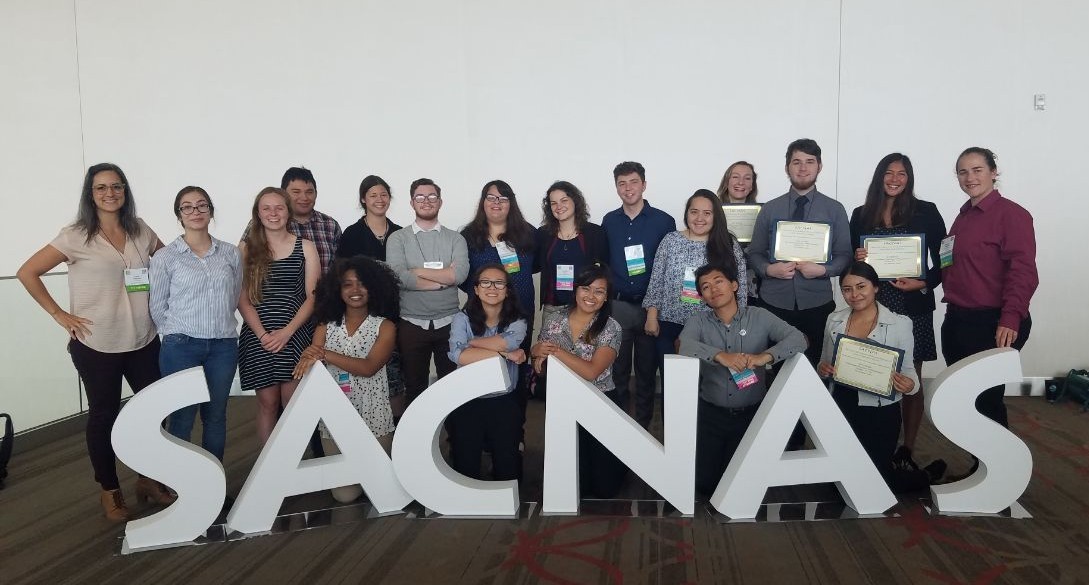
226, 95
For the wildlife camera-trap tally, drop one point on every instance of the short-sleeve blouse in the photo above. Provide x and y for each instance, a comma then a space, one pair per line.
558, 331
121, 320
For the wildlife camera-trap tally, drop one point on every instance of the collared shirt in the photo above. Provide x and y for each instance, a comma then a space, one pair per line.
994, 259
647, 228
461, 333
324, 231
410, 248
892, 330
800, 292
753, 330
193, 295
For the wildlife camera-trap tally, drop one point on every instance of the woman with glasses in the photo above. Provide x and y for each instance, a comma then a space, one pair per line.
111, 334
195, 282
491, 324
280, 272
498, 234
587, 340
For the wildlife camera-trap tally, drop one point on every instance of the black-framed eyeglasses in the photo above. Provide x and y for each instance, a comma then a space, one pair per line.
496, 284
117, 188
496, 199
202, 207
431, 198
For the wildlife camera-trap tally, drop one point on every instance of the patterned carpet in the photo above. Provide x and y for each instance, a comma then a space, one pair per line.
51, 531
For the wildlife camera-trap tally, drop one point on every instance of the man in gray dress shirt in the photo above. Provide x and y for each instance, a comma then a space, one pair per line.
733, 345
800, 293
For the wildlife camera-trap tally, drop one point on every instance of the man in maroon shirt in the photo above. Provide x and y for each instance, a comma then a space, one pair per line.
988, 273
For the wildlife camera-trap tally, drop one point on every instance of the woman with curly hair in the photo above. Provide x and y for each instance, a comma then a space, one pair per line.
357, 303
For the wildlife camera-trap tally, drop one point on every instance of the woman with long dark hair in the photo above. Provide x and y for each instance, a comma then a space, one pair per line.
891, 208
111, 334
567, 241
587, 340
491, 324
280, 273
672, 296
875, 420
195, 285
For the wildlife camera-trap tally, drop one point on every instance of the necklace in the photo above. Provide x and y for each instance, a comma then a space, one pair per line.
869, 326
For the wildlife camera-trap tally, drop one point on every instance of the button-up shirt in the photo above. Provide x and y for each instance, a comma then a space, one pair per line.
647, 228
196, 295
994, 259
324, 231
752, 330
461, 333
800, 292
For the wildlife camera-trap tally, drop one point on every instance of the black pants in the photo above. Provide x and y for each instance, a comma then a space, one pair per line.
494, 421
635, 342
101, 374
967, 332
418, 346
601, 474
718, 434
810, 322
876, 427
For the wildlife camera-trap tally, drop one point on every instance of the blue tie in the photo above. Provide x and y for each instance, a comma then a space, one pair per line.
799, 209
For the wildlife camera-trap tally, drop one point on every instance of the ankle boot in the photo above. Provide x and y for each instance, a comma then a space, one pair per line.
147, 488
113, 505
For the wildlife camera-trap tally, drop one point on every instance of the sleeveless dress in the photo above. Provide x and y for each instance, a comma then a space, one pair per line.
922, 324
282, 295
369, 396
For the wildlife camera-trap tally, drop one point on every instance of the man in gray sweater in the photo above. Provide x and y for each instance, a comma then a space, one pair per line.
431, 262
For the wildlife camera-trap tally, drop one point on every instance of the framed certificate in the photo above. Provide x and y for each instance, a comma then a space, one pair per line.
802, 241
740, 218
866, 365
896, 256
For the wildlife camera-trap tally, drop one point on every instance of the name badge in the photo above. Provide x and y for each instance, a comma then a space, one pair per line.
688, 286
635, 259
435, 265
344, 380
945, 252
137, 280
565, 277
508, 257
744, 378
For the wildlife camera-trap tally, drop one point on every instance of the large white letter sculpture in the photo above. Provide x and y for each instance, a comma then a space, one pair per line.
1005, 463
416, 447
279, 473
140, 441
669, 469
838, 457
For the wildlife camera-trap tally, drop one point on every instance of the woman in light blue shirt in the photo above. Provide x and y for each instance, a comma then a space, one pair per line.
195, 285
490, 325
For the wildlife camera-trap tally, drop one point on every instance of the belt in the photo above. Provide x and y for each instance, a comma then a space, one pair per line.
741, 411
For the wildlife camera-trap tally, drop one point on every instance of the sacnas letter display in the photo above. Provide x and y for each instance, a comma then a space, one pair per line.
417, 470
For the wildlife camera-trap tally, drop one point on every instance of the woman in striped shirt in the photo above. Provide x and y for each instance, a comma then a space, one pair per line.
196, 281
280, 273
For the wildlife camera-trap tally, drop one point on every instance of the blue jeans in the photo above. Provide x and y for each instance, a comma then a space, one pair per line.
219, 357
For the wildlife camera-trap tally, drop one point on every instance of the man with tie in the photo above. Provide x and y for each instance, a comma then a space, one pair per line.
800, 293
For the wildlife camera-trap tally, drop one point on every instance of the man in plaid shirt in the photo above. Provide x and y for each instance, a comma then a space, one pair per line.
307, 222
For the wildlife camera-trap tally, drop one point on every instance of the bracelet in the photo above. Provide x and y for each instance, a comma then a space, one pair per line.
262, 336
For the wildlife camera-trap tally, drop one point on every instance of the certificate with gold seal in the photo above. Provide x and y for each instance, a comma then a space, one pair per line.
802, 241
899, 256
866, 365
741, 218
